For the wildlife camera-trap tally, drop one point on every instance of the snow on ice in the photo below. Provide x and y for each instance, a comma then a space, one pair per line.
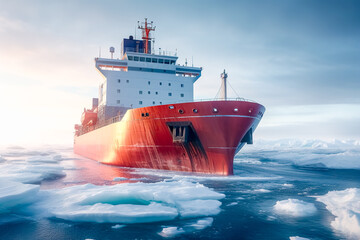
295, 208
311, 153
345, 206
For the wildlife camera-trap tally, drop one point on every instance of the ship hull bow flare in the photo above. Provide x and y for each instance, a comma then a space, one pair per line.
173, 137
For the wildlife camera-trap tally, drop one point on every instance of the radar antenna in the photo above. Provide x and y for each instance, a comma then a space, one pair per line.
146, 28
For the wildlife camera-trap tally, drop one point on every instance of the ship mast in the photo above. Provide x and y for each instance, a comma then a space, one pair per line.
223, 85
146, 28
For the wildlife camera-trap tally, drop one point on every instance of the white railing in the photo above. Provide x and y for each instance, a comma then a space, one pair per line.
217, 99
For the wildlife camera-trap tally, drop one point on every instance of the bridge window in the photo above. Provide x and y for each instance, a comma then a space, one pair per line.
142, 59
167, 61
172, 62
161, 60
154, 60
136, 58
148, 59
130, 58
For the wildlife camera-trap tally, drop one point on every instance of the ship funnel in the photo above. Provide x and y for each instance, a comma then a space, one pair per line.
112, 50
223, 85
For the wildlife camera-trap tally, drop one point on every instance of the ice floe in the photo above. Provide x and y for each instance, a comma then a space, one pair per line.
198, 225
202, 223
31, 169
132, 202
261, 190
345, 206
169, 232
298, 238
14, 194
295, 208
310, 153
232, 204
117, 226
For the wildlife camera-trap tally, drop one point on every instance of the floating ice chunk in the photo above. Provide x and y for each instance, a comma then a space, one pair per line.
345, 206
295, 207
298, 238
117, 179
195, 208
122, 213
202, 223
169, 232
261, 190
132, 202
288, 185
232, 204
14, 194
138, 179
311, 153
117, 226
31, 170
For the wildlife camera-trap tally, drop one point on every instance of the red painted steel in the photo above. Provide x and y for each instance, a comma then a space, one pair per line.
146, 142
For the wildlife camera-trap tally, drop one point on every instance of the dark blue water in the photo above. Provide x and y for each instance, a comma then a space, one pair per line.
247, 211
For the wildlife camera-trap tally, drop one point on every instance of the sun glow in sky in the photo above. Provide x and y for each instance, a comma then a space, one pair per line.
300, 59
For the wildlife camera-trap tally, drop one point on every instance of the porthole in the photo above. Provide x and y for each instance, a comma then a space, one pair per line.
236, 110
171, 107
143, 114
195, 110
181, 111
215, 110
250, 110
146, 114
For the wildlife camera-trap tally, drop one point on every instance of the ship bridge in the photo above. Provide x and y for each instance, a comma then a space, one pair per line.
141, 78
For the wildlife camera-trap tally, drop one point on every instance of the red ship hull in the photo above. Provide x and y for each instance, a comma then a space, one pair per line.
154, 137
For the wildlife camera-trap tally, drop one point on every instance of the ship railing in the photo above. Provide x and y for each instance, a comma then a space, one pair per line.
153, 52
218, 99
86, 129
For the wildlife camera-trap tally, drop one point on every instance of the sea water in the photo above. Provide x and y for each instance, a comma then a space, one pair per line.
287, 189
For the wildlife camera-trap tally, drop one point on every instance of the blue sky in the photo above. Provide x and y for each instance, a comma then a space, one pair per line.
300, 59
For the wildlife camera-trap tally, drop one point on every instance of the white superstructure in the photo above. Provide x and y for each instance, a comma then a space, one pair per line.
140, 80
